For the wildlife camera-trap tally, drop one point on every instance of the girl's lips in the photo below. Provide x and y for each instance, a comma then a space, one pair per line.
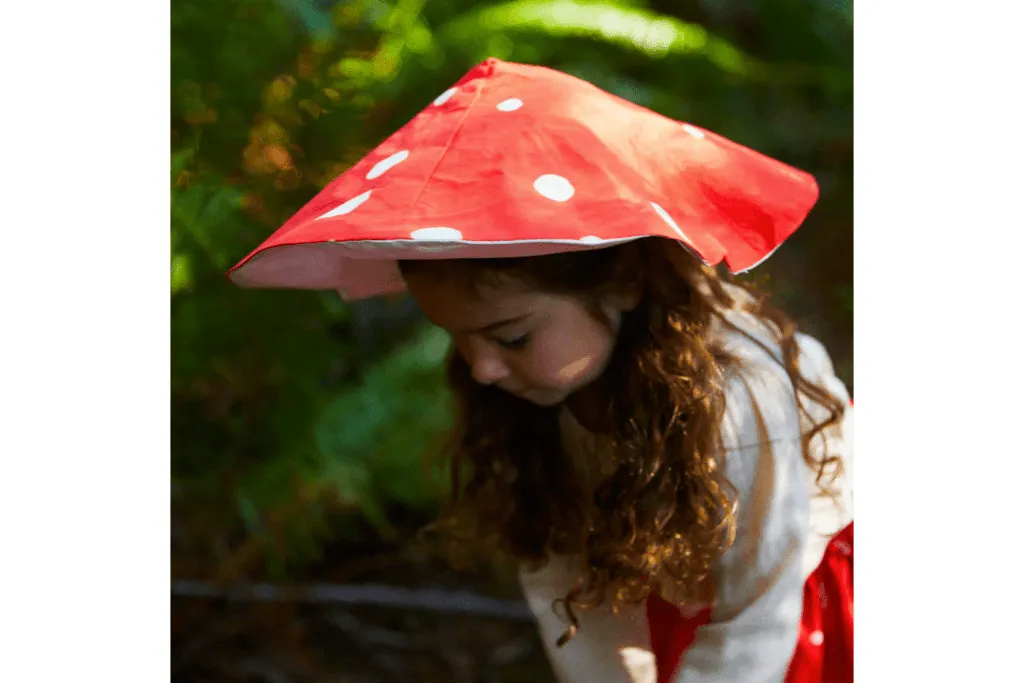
519, 393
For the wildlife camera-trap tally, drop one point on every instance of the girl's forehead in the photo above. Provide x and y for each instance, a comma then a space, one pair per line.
456, 304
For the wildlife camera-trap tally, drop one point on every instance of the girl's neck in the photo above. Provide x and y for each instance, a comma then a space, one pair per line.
590, 406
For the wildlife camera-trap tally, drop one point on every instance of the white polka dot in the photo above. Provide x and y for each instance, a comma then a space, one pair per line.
591, 239
844, 547
693, 131
385, 165
554, 187
510, 105
445, 96
436, 234
349, 206
816, 637
671, 223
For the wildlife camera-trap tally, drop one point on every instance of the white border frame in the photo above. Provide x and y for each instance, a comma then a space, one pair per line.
85, 302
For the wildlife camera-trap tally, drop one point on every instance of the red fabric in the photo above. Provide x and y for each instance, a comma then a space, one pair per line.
671, 634
520, 160
824, 651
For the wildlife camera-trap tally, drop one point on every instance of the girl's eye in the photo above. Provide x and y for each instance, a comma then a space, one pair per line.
514, 344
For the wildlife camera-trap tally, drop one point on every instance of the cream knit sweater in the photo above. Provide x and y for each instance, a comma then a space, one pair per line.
783, 530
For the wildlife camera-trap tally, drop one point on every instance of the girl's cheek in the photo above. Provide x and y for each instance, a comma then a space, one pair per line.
575, 369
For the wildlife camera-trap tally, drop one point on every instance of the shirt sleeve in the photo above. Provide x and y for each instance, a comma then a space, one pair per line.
759, 581
609, 648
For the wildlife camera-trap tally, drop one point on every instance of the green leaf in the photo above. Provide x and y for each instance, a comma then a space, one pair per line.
372, 438
317, 22
249, 513
348, 428
649, 33
180, 161
181, 273
207, 214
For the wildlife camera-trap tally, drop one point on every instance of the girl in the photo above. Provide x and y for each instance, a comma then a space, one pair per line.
665, 457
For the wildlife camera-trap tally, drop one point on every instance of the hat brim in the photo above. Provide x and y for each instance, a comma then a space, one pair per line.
362, 269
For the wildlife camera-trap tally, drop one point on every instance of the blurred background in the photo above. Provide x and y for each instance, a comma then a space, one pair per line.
299, 421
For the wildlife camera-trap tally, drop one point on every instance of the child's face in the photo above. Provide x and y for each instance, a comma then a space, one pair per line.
537, 346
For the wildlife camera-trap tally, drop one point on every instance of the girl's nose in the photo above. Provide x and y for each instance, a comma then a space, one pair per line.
486, 366
488, 371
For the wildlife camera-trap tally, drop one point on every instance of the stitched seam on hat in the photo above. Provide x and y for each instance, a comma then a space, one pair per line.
451, 141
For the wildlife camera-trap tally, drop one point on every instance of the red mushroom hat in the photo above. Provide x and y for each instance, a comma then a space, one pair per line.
520, 160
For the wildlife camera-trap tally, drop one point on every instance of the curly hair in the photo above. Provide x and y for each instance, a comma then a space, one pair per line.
667, 509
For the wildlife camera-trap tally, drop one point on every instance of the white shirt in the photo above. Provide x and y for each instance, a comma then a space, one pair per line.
783, 528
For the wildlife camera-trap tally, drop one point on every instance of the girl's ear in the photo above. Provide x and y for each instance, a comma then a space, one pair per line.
630, 280
627, 297
614, 306
624, 302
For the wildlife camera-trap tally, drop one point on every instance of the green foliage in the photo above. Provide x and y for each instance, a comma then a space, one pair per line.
625, 27
362, 458
394, 413
285, 432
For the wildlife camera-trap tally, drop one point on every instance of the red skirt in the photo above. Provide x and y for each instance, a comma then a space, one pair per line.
824, 650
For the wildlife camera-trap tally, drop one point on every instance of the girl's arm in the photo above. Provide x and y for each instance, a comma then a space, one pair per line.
610, 648
760, 579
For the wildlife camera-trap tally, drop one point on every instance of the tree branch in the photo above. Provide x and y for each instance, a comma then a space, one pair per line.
453, 602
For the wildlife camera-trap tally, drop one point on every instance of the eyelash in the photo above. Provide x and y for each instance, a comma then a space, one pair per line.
514, 344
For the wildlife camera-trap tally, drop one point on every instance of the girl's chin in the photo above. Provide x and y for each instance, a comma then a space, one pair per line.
542, 397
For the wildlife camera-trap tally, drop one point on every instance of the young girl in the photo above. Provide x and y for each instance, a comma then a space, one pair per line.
666, 458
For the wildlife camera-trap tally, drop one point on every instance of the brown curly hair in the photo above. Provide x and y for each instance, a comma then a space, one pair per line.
667, 510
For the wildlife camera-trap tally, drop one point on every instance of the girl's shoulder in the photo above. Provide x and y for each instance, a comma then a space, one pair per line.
756, 362
759, 393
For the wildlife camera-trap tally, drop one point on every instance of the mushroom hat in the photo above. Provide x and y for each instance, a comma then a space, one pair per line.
523, 160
